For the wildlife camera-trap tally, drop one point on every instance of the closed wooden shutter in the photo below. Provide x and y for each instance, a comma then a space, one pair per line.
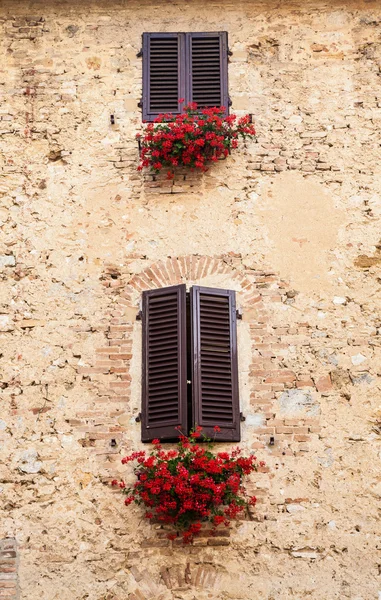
193, 66
164, 389
208, 69
163, 73
214, 362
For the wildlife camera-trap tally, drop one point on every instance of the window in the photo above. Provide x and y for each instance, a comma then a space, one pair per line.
188, 66
190, 370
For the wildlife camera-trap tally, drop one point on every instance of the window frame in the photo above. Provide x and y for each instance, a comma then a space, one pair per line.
185, 87
199, 404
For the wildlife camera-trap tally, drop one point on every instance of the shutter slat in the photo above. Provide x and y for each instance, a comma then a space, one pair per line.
215, 367
158, 363
212, 328
163, 364
163, 320
163, 375
164, 336
164, 405
215, 376
158, 389
210, 401
166, 408
167, 297
210, 410
164, 328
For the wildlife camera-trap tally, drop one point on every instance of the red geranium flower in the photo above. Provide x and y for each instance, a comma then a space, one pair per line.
191, 484
193, 138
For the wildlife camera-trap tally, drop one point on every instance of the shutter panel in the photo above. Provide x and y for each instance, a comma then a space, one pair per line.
163, 73
214, 362
164, 402
208, 56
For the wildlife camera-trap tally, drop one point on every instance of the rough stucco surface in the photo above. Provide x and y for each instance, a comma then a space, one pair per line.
291, 221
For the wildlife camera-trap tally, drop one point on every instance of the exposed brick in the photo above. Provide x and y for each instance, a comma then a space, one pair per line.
301, 383
92, 370
284, 430
8, 569
200, 267
324, 384
218, 542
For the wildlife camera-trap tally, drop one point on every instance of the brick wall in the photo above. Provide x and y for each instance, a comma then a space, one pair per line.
291, 221
8, 569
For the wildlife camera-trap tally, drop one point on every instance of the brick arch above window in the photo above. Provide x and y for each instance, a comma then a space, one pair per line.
191, 269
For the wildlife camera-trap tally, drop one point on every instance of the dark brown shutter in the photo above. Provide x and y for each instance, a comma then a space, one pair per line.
208, 69
163, 73
214, 362
164, 401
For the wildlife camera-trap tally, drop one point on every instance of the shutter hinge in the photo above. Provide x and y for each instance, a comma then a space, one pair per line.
138, 418
242, 417
140, 103
140, 53
230, 53
230, 101
238, 314
139, 316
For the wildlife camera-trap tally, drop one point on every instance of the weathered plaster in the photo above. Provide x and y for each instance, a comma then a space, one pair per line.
83, 234
303, 226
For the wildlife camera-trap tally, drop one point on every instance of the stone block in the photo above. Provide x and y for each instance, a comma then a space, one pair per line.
7, 260
297, 403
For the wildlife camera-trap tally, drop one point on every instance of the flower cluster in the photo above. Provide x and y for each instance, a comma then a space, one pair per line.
190, 484
193, 138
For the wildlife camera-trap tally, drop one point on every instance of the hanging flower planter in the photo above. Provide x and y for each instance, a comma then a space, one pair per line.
192, 139
190, 484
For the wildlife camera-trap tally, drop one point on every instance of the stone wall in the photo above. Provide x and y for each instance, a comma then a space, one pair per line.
290, 221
